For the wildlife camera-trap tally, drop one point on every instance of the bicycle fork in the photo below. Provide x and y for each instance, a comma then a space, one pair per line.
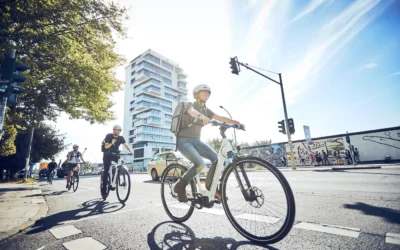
113, 177
248, 193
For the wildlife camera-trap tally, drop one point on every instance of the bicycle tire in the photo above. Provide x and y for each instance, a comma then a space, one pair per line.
75, 177
127, 179
106, 189
291, 210
164, 177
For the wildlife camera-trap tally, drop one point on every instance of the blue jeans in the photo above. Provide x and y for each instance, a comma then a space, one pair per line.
194, 149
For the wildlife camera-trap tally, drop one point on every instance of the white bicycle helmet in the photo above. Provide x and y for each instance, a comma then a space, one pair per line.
117, 127
200, 87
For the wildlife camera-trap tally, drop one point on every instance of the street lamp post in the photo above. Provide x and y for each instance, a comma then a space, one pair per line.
234, 131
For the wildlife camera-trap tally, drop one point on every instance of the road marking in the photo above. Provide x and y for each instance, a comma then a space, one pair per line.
40, 248
65, 231
157, 205
258, 218
84, 243
392, 238
88, 187
38, 200
212, 211
331, 229
101, 215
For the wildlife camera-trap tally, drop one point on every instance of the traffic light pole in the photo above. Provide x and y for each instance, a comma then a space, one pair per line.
287, 123
284, 108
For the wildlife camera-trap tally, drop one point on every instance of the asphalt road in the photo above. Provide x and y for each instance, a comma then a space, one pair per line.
353, 209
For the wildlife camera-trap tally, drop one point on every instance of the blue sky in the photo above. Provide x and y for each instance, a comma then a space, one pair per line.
338, 60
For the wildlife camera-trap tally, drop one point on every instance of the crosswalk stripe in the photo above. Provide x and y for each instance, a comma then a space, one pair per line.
392, 238
212, 211
65, 231
350, 232
258, 218
83, 244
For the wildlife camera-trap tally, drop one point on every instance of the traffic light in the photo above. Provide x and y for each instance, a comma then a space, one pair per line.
282, 127
291, 126
11, 78
234, 66
348, 139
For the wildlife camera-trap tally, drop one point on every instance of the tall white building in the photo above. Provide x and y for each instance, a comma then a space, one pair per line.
153, 86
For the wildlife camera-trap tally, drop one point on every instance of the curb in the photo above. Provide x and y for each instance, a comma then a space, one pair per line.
350, 168
43, 209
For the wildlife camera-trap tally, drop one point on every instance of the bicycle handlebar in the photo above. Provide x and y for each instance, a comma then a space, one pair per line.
226, 125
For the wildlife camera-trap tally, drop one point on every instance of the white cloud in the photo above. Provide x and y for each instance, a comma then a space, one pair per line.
370, 65
313, 5
395, 73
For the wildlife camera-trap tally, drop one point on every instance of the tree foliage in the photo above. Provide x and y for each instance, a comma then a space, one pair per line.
47, 142
7, 146
69, 47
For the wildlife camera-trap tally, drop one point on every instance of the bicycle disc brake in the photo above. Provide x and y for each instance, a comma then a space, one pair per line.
256, 197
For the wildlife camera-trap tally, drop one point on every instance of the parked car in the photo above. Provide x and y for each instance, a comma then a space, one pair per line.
159, 162
21, 174
43, 173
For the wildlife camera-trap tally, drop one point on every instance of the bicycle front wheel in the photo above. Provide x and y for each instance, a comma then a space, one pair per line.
268, 213
177, 211
75, 181
123, 185
104, 185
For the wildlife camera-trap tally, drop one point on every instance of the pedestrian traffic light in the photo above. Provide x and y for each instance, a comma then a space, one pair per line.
348, 139
291, 126
234, 65
282, 127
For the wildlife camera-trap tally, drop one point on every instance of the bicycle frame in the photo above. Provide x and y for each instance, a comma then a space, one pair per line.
222, 156
117, 165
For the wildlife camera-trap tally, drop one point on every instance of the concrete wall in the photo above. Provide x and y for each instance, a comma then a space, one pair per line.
372, 145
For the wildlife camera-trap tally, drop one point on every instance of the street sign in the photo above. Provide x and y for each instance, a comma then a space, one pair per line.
307, 134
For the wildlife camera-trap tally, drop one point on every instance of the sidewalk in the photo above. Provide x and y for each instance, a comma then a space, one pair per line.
20, 206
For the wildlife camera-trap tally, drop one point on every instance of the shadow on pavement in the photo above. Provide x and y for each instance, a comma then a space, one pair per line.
87, 209
56, 193
3, 190
172, 235
390, 215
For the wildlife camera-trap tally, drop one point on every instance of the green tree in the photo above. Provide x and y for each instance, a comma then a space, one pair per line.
69, 47
215, 143
47, 142
7, 146
262, 142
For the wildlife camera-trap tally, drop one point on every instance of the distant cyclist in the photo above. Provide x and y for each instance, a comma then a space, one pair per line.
111, 148
50, 168
73, 160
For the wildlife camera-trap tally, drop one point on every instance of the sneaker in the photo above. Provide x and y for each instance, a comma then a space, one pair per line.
180, 189
112, 188
67, 186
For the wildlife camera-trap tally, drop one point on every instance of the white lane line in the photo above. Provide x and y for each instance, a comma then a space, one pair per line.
258, 218
212, 211
331, 229
40, 248
87, 187
65, 231
84, 243
181, 206
157, 205
102, 215
392, 238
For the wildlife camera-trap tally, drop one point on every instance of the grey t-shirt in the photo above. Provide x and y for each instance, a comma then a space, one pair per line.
195, 130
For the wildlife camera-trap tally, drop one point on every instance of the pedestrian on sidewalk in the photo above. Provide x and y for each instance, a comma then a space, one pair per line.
357, 155
325, 160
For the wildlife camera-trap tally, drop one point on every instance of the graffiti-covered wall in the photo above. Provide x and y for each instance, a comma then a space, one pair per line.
372, 146
272, 153
375, 146
317, 146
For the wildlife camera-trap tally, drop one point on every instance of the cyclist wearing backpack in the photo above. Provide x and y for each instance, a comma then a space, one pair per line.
195, 116
110, 148
73, 160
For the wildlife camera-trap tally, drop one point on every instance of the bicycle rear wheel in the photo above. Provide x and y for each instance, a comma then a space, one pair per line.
268, 216
123, 185
177, 211
75, 177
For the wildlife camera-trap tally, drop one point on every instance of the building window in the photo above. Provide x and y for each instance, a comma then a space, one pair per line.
130, 132
152, 58
130, 140
182, 85
167, 65
167, 81
138, 153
